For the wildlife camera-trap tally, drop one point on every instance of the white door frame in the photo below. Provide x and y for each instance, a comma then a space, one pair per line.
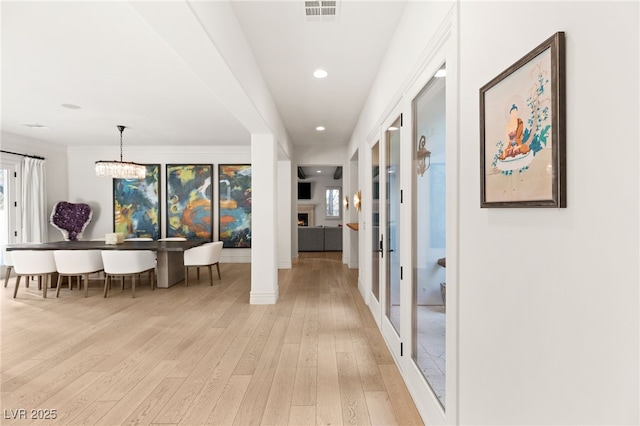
12, 199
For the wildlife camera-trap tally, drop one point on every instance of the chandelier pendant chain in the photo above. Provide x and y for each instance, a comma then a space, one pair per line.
121, 128
120, 169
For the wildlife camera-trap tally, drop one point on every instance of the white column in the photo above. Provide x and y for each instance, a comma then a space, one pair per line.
285, 218
264, 226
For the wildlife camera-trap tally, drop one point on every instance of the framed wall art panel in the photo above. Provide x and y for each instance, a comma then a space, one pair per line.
522, 131
189, 205
235, 205
136, 205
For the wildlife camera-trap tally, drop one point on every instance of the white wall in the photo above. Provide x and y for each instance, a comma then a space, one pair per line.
55, 168
548, 302
352, 215
285, 198
86, 187
549, 298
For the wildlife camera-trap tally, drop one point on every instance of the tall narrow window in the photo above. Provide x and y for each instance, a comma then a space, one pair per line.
332, 199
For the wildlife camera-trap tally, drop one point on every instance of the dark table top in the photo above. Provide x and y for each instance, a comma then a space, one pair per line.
100, 245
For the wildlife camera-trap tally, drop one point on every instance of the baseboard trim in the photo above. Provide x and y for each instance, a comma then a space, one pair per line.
263, 298
283, 264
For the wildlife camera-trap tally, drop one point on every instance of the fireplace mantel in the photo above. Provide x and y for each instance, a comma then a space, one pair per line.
307, 209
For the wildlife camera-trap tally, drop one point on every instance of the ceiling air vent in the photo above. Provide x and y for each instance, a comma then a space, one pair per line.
321, 10
34, 125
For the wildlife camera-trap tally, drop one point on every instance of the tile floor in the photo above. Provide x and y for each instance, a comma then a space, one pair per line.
431, 347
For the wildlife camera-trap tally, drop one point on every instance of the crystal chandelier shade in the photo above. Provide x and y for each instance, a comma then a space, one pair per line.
120, 169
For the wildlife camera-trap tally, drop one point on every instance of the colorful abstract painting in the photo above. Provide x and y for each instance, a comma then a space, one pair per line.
235, 205
189, 205
136, 205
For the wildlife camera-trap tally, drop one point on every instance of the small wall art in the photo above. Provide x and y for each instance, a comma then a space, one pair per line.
136, 205
189, 205
522, 131
235, 205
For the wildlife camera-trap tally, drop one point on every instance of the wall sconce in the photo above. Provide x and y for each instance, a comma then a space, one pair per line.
422, 155
357, 200
346, 202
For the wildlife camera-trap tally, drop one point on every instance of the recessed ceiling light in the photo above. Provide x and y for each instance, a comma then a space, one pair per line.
393, 128
318, 171
71, 106
320, 128
320, 73
441, 73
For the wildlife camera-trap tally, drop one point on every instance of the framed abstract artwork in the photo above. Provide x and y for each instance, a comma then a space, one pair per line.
522, 131
189, 205
235, 205
136, 205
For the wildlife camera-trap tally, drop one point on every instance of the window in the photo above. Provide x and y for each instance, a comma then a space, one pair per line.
332, 199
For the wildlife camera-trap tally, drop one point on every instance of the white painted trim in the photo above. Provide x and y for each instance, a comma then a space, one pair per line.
283, 264
239, 258
263, 298
138, 149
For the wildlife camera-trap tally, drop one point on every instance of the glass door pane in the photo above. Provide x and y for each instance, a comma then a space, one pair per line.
392, 206
375, 221
429, 214
7, 209
4, 220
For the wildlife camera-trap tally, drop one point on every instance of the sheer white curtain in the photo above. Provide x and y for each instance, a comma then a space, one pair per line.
34, 209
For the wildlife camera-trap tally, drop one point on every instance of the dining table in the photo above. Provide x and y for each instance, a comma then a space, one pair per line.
170, 254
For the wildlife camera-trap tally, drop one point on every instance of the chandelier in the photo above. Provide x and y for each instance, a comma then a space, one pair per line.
120, 169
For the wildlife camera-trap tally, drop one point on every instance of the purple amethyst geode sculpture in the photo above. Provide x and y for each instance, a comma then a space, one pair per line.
71, 219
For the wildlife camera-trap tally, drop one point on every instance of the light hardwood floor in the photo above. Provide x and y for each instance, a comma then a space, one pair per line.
202, 355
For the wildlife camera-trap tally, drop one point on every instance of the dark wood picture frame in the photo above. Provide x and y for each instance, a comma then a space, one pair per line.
523, 163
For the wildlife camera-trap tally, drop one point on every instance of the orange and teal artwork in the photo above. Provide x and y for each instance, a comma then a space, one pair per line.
235, 205
189, 205
136, 205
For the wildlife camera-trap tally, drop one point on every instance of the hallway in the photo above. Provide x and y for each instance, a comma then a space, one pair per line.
202, 355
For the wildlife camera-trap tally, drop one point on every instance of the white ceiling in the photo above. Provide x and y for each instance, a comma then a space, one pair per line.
107, 58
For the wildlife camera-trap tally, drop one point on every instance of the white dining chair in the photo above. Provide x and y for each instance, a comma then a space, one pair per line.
77, 263
28, 263
128, 263
205, 255
8, 263
172, 239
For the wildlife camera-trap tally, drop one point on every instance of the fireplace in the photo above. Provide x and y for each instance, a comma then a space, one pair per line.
305, 214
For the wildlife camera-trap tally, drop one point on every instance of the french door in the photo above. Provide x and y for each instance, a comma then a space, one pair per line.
385, 263
374, 298
9, 220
